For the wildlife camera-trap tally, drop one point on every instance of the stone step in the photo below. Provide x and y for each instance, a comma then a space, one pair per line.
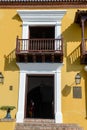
60, 128
33, 120
45, 124
39, 121
50, 128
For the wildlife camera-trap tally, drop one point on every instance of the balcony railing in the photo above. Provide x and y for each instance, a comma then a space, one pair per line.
39, 45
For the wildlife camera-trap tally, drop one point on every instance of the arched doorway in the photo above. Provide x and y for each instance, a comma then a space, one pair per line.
40, 97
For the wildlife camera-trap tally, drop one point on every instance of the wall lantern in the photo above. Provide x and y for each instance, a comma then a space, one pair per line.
77, 78
1, 78
85, 68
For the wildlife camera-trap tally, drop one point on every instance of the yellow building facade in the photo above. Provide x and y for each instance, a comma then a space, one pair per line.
73, 104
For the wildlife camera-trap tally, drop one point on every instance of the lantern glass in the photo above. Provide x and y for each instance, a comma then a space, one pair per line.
77, 78
1, 78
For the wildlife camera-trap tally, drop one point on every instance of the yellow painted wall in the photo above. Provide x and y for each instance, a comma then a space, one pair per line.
10, 27
7, 125
74, 110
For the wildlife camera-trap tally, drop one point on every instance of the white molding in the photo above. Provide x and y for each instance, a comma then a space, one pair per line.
39, 68
41, 15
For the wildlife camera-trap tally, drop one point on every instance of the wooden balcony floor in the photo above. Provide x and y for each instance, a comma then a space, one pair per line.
39, 57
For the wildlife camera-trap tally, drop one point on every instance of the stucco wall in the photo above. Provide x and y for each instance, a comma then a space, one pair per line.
10, 27
73, 109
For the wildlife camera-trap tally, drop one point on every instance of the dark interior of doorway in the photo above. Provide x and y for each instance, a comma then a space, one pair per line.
42, 32
40, 97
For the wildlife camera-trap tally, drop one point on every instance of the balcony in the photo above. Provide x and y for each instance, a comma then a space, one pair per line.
84, 51
39, 50
81, 19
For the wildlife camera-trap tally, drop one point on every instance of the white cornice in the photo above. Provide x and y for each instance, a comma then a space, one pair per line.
41, 15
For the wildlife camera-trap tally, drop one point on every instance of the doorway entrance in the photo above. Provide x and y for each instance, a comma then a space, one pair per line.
40, 96
42, 32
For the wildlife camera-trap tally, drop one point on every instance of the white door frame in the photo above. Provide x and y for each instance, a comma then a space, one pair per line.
38, 68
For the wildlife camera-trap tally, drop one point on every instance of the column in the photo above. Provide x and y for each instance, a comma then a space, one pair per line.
21, 100
58, 113
82, 22
25, 34
57, 36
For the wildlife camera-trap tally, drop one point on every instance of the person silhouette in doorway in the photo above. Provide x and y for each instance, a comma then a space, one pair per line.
31, 109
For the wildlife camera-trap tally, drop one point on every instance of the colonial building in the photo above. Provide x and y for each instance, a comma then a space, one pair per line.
43, 59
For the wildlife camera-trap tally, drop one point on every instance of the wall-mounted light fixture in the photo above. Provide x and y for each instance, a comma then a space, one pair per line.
77, 78
1, 78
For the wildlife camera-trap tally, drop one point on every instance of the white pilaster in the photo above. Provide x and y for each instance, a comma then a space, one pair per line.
21, 103
25, 33
58, 30
58, 113
57, 36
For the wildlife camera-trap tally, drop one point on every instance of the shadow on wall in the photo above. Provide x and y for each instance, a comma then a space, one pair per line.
73, 60
10, 62
10, 59
17, 17
66, 90
72, 35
